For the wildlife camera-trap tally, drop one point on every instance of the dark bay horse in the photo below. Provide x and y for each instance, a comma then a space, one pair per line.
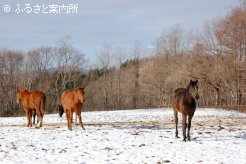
72, 101
184, 101
33, 103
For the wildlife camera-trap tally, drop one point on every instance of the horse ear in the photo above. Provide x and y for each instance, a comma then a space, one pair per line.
196, 81
19, 90
191, 81
81, 87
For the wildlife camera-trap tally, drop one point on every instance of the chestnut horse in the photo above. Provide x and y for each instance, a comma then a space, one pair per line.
72, 101
61, 111
184, 101
33, 103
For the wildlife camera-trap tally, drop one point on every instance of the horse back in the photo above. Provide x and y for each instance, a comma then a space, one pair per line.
178, 94
36, 99
180, 91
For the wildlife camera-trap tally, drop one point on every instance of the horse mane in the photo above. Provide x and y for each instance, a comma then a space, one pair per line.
79, 87
22, 90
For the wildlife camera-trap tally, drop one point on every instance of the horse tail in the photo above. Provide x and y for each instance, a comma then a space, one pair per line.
42, 105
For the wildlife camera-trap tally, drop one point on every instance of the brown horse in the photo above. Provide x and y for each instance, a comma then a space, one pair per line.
33, 103
72, 101
184, 101
61, 111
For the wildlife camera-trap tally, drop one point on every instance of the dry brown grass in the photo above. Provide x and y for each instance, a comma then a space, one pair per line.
240, 108
221, 122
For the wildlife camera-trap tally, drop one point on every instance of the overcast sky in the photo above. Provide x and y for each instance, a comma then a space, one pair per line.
119, 23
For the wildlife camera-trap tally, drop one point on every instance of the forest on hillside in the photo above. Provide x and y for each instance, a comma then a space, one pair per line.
127, 78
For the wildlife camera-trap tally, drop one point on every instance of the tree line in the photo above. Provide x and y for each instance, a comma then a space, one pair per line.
128, 78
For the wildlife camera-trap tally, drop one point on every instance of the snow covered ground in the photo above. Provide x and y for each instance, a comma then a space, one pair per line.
127, 136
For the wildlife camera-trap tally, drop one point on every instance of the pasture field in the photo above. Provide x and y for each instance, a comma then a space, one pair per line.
126, 136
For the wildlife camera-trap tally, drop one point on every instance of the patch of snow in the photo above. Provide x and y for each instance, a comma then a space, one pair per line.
127, 136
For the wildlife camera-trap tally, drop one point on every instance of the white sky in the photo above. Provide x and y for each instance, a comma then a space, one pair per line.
119, 23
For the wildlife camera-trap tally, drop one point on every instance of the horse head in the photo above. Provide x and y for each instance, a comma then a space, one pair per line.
18, 95
193, 89
81, 94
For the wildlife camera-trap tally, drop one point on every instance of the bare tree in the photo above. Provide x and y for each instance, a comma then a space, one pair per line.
10, 73
173, 42
40, 63
105, 56
67, 61
231, 32
120, 55
136, 53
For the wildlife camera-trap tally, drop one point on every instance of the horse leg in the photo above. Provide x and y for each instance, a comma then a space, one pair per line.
67, 115
34, 114
176, 123
76, 119
72, 117
70, 120
40, 119
184, 126
30, 117
39, 114
27, 116
189, 125
80, 119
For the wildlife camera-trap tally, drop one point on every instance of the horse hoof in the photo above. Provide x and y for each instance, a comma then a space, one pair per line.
177, 136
